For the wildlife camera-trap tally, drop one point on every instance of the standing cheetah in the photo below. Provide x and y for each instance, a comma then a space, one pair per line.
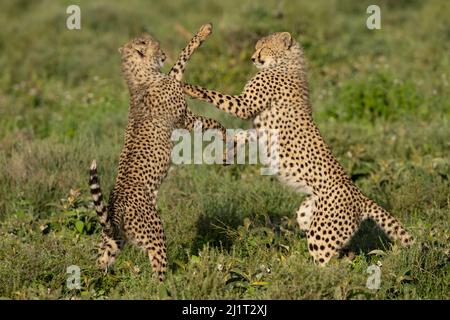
277, 97
157, 107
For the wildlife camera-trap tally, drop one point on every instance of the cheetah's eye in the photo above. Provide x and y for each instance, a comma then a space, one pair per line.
140, 51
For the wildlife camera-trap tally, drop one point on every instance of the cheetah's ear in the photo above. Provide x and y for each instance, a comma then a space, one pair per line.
286, 38
120, 49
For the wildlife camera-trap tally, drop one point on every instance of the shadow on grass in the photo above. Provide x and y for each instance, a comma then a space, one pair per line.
222, 229
216, 230
368, 237
212, 230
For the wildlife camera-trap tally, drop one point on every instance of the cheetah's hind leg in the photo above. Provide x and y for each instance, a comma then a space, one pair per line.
156, 246
107, 251
148, 234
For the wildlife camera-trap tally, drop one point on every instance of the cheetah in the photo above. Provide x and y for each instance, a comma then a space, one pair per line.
157, 107
277, 98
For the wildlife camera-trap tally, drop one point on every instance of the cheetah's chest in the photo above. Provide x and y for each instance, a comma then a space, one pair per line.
297, 183
270, 123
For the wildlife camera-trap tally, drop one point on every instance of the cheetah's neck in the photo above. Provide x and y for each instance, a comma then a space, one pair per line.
139, 77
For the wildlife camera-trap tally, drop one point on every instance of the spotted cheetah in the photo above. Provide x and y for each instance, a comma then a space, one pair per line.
277, 97
157, 107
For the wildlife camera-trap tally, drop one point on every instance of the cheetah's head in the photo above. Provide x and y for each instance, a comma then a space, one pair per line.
143, 51
274, 49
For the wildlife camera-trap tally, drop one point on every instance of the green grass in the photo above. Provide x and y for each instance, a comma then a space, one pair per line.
380, 98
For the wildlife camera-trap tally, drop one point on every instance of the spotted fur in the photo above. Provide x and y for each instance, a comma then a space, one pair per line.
277, 97
157, 107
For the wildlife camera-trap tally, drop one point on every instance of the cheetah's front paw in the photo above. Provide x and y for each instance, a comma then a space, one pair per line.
204, 31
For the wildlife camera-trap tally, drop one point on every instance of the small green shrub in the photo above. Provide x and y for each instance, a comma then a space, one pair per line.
378, 97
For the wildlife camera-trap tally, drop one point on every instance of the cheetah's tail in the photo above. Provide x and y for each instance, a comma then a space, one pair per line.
96, 192
390, 225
